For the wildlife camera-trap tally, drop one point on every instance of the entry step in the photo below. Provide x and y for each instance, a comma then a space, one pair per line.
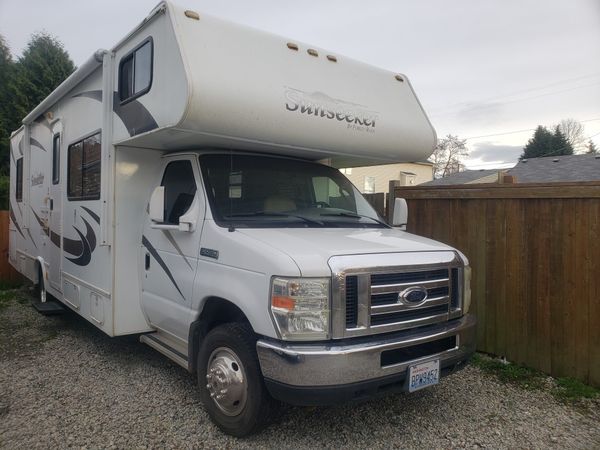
49, 308
168, 347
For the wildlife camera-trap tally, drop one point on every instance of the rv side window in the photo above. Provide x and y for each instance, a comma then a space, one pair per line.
56, 159
83, 173
19, 180
180, 189
135, 72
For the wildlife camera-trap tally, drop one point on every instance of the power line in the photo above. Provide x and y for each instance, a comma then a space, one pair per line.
520, 131
553, 153
539, 88
493, 105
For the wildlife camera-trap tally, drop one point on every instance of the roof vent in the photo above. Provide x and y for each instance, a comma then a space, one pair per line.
597, 157
523, 160
555, 160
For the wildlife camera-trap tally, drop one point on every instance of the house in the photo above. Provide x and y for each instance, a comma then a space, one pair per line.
376, 179
557, 169
548, 169
468, 177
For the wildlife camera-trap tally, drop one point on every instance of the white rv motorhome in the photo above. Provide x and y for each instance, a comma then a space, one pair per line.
170, 188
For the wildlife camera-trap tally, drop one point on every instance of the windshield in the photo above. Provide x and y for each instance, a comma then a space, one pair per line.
262, 191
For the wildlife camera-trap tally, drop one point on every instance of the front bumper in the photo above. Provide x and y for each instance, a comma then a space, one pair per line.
324, 373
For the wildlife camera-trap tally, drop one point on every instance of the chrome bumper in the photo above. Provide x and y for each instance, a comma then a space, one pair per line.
335, 364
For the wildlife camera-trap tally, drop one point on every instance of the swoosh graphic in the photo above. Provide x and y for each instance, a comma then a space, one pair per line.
36, 143
173, 242
136, 118
86, 254
161, 263
81, 249
14, 219
31, 237
92, 213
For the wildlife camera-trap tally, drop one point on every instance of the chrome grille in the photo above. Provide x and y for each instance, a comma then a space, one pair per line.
369, 301
351, 301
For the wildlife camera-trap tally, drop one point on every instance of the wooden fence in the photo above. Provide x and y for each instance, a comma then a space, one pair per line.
378, 202
8, 275
535, 254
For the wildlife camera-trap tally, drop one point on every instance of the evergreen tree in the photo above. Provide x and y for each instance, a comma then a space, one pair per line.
546, 143
592, 149
42, 67
560, 144
25, 83
539, 145
6, 117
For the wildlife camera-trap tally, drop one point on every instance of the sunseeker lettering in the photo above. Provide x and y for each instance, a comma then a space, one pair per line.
321, 105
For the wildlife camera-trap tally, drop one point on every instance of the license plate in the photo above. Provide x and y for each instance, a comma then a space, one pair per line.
423, 375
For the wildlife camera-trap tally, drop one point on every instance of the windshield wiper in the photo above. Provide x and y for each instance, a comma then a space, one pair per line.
356, 216
275, 214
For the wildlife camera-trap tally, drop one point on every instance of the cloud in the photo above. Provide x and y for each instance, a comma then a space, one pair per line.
490, 152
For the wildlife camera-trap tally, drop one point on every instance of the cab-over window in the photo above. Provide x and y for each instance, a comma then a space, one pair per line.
135, 72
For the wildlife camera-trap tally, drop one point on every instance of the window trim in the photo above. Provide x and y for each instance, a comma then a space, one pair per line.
77, 141
19, 182
56, 167
162, 180
132, 55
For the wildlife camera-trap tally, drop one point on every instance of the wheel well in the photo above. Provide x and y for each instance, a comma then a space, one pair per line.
216, 311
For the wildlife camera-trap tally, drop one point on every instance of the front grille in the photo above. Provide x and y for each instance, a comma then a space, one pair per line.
407, 277
380, 307
409, 315
351, 301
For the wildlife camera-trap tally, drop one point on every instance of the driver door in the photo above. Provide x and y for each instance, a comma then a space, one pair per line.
169, 254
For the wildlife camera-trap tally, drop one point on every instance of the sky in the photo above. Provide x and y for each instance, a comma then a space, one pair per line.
488, 71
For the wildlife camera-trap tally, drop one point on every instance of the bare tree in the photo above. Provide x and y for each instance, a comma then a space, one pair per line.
446, 157
574, 132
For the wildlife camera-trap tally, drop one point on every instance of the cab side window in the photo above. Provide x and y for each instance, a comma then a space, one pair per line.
180, 189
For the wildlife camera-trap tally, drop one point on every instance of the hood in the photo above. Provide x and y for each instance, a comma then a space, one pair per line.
311, 248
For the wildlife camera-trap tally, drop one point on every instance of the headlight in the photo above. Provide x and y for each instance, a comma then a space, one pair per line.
466, 289
300, 307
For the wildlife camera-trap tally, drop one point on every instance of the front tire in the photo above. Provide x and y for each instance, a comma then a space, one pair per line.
230, 380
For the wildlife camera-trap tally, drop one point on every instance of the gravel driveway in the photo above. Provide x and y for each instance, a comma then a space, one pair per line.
63, 384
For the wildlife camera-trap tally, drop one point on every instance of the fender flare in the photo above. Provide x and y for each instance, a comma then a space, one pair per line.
41, 264
224, 311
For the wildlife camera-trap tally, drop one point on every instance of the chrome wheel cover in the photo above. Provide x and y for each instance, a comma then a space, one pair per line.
226, 381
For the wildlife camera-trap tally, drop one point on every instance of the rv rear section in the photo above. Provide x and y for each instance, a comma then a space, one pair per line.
158, 192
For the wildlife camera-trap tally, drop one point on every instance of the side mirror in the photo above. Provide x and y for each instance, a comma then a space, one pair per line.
157, 205
400, 217
187, 222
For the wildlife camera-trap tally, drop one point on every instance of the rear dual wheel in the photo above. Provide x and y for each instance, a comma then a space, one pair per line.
231, 384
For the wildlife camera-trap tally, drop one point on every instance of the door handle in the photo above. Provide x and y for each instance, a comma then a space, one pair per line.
147, 261
51, 204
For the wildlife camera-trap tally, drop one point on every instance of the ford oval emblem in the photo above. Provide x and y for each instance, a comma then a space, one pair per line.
413, 296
